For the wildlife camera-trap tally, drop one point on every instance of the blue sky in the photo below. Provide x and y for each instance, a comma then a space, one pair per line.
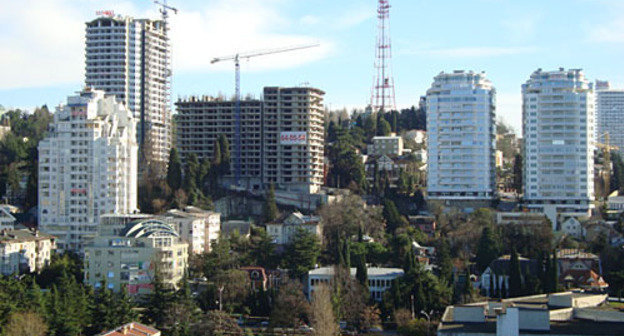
42, 58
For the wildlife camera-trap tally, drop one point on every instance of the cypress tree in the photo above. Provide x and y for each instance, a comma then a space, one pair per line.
125, 307
491, 290
487, 249
347, 253
224, 146
270, 211
515, 280
174, 170
104, 313
361, 272
503, 291
554, 273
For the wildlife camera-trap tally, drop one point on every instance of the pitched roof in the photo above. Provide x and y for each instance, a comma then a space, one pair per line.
14, 236
500, 266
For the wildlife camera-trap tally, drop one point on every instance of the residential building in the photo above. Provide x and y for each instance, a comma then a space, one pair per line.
132, 329
615, 204
234, 226
379, 279
461, 138
426, 224
387, 145
131, 258
7, 221
566, 313
580, 269
130, 58
390, 166
558, 127
497, 274
281, 143
609, 116
87, 167
571, 226
196, 226
418, 136
24, 251
520, 218
283, 229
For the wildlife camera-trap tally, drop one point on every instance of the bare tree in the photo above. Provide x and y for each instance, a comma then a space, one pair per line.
323, 319
25, 324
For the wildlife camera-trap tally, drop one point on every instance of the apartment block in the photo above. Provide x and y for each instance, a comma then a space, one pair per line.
558, 127
87, 167
281, 142
387, 145
24, 251
461, 137
609, 116
130, 58
131, 258
199, 228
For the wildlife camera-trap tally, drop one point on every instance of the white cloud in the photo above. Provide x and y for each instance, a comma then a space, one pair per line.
611, 32
473, 51
43, 40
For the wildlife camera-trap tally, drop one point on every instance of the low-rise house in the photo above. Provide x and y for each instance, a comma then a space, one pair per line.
498, 272
572, 226
283, 229
391, 166
520, 218
240, 227
426, 224
386, 145
615, 204
257, 277
580, 269
379, 279
196, 226
132, 329
131, 258
561, 314
25, 251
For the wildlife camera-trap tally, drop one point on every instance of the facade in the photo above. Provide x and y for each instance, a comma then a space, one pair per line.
379, 279
495, 277
609, 116
282, 137
196, 226
131, 258
386, 145
129, 58
24, 251
558, 127
87, 167
461, 137
283, 230
7, 221
566, 313
579, 269
520, 218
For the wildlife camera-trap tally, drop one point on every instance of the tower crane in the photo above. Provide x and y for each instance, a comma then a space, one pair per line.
237, 115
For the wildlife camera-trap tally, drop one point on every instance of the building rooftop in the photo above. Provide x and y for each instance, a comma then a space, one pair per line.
575, 254
15, 236
132, 329
190, 211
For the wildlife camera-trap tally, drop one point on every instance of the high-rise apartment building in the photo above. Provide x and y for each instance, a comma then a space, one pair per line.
558, 126
282, 136
461, 138
87, 167
610, 115
130, 58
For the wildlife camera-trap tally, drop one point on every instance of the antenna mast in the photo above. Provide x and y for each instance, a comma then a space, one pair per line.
382, 93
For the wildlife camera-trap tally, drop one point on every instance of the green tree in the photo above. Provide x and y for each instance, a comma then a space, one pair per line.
158, 301
225, 154
393, 218
174, 170
445, 263
517, 174
361, 271
25, 324
269, 209
383, 127
291, 307
104, 312
301, 253
487, 249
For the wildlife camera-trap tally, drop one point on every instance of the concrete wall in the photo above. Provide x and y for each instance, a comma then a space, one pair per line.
534, 319
599, 315
469, 314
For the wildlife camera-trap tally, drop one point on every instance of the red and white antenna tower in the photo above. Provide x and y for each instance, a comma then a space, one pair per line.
382, 93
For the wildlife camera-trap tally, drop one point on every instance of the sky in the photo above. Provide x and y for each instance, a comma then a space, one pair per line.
42, 45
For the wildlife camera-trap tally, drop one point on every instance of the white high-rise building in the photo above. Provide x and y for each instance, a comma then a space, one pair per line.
130, 58
558, 126
461, 137
87, 167
610, 116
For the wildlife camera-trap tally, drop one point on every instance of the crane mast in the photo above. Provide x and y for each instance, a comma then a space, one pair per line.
237, 112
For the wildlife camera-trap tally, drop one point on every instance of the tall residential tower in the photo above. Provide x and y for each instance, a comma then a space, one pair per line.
610, 115
558, 126
129, 58
461, 134
87, 167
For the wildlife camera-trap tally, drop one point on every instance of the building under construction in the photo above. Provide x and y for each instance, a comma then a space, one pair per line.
281, 136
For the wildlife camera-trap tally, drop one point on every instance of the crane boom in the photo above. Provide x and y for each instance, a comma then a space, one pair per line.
237, 115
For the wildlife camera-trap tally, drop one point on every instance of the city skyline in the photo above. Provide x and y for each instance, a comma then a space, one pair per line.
510, 40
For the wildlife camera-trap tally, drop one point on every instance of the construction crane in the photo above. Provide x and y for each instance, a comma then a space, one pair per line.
606, 157
237, 115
